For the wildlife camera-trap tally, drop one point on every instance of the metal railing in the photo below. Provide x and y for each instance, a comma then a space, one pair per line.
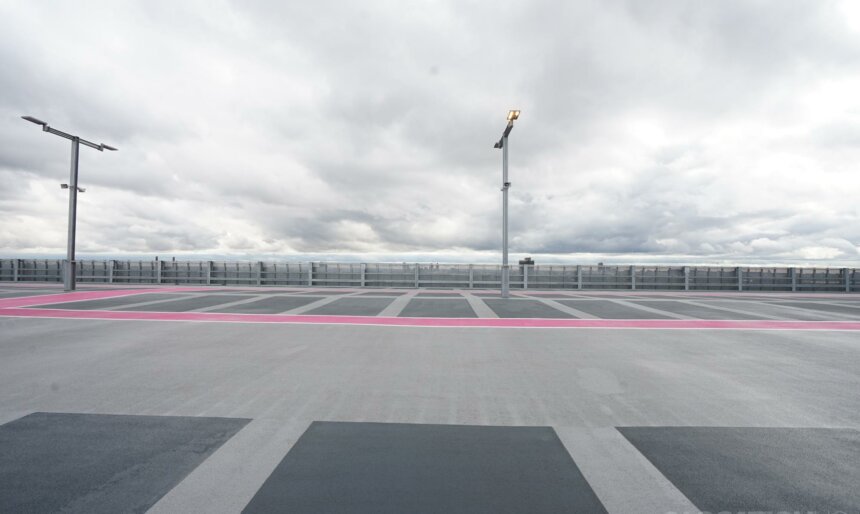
412, 275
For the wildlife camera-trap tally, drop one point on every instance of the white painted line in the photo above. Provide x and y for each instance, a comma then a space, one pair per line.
154, 302
396, 307
650, 309
824, 315
319, 303
736, 311
621, 477
479, 306
569, 310
227, 480
216, 308
6, 417
847, 303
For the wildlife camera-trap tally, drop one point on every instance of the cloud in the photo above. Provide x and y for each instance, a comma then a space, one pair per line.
697, 132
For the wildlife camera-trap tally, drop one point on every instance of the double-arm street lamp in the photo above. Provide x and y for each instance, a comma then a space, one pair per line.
503, 144
72, 186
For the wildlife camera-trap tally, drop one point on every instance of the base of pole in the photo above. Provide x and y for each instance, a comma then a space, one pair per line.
68, 276
506, 281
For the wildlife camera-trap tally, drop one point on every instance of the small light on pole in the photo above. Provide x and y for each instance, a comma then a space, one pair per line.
72, 186
34, 120
502, 143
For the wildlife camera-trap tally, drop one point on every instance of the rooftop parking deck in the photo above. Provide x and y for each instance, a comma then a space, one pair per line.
356, 400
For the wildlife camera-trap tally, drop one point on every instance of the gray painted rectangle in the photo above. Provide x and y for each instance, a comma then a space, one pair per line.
91, 463
693, 311
515, 308
382, 468
188, 304
772, 309
438, 308
729, 469
550, 296
825, 307
610, 310
19, 294
108, 303
271, 305
353, 306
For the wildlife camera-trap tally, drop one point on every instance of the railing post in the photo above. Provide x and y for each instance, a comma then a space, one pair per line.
471, 276
311, 274
14, 270
260, 273
416, 275
110, 271
579, 276
208, 273
847, 280
740, 279
793, 279
633, 278
686, 278
363, 274
158, 272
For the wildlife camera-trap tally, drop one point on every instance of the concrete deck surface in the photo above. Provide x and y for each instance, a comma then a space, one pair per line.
586, 386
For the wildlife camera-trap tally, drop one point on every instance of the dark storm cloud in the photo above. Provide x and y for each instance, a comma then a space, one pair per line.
698, 129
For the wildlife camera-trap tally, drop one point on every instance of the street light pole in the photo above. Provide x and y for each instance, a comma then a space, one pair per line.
506, 185
69, 275
72, 186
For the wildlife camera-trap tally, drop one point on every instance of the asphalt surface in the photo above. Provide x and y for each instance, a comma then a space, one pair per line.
382, 468
93, 463
732, 469
368, 418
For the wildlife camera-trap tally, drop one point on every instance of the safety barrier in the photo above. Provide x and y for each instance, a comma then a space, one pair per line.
412, 275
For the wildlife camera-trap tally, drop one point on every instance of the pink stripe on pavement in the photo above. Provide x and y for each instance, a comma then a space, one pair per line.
79, 296
434, 322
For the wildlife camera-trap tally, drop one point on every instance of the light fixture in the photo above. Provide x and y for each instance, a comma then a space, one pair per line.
74, 189
34, 120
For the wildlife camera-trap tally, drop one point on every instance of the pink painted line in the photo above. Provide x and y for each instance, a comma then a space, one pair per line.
434, 322
79, 296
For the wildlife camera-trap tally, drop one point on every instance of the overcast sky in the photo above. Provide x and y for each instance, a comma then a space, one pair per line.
667, 131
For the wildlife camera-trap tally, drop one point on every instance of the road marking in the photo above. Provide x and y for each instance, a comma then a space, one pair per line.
319, 303
155, 302
845, 303
80, 296
227, 480
396, 307
815, 312
6, 417
652, 310
569, 310
215, 308
658, 324
729, 309
479, 306
607, 459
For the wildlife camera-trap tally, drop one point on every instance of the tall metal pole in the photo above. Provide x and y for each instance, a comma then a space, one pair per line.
506, 270
69, 276
503, 145
69, 271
